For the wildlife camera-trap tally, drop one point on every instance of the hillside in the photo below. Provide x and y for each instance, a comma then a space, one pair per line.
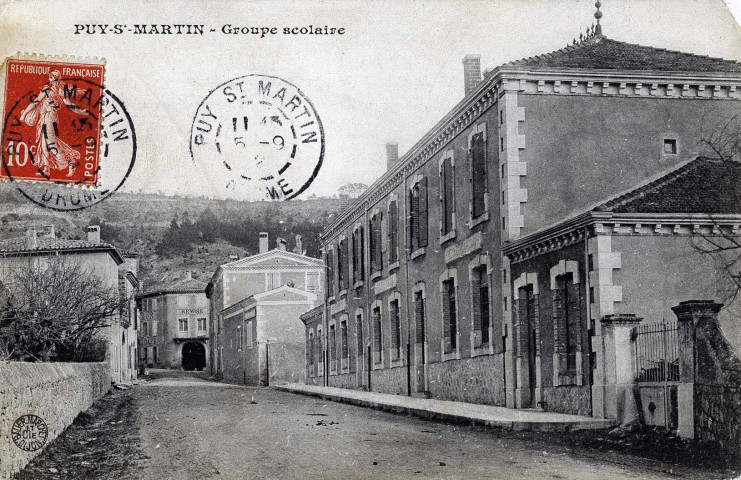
177, 234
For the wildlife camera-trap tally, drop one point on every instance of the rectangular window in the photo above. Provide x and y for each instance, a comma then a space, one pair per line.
479, 175
447, 197
332, 347
376, 257
272, 280
248, 334
311, 353
145, 328
342, 264
480, 293
418, 215
419, 316
359, 327
344, 348
670, 146
377, 338
395, 330
330, 273
202, 324
312, 281
450, 324
182, 324
566, 308
393, 232
358, 258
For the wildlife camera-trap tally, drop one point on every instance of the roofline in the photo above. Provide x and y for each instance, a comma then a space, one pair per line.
255, 298
132, 278
592, 218
304, 317
169, 291
504, 73
49, 251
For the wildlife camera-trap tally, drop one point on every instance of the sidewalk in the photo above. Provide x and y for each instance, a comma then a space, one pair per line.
454, 412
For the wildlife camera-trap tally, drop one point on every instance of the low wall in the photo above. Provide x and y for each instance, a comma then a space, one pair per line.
473, 380
55, 392
718, 415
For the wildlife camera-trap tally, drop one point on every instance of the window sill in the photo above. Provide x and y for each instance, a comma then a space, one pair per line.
358, 284
376, 275
484, 217
451, 355
417, 253
342, 293
447, 237
397, 363
393, 266
330, 299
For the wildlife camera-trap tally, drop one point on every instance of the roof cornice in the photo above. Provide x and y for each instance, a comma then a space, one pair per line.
513, 78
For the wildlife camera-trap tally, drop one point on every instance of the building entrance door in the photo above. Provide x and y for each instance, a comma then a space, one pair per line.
194, 356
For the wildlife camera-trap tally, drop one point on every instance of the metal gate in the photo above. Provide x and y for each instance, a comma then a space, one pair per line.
657, 371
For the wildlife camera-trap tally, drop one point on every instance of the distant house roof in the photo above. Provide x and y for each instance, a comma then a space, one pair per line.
184, 285
703, 185
313, 315
45, 245
275, 259
602, 53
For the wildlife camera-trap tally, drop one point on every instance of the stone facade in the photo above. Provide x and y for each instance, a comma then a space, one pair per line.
718, 415
56, 392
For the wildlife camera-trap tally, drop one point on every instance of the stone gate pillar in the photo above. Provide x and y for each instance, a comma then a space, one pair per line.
690, 314
619, 367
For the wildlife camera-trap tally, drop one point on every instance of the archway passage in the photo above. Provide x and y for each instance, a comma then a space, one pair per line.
194, 356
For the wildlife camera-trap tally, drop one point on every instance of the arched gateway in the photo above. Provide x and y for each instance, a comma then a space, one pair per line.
194, 356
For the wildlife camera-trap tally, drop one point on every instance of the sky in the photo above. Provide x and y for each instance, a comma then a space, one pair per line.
394, 73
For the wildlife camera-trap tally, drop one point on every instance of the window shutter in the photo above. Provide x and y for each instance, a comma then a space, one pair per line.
362, 252
419, 314
393, 233
359, 334
446, 316
479, 174
476, 293
414, 218
384, 234
377, 331
448, 199
422, 215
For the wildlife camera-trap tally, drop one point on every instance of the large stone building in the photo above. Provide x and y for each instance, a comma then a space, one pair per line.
104, 263
447, 278
248, 277
174, 327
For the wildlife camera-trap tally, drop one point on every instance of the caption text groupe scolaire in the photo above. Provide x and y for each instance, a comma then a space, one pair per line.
200, 29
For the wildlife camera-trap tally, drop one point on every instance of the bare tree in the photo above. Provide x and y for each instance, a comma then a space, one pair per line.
53, 309
722, 244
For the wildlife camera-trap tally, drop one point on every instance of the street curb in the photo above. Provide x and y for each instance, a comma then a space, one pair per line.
453, 418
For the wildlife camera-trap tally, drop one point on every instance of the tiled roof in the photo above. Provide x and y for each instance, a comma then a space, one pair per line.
43, 244
703, 185
602, 53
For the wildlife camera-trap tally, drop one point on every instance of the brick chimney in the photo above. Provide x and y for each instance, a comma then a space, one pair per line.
280, 243
471, 72
264, 247
392, 154
299, 248
93, 234
31, 241
49, 231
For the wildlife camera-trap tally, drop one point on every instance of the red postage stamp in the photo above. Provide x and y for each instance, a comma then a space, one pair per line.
52, 121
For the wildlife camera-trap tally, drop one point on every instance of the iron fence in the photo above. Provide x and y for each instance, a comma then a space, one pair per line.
657, 352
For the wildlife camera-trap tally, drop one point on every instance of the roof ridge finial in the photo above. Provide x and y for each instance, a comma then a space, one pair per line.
598, 15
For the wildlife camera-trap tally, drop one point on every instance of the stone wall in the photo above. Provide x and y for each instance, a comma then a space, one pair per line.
345, 380
55, 392
568, 399
390, 380
475, 380
718, 415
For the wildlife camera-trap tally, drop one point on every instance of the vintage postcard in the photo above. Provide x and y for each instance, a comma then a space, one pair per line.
329, 239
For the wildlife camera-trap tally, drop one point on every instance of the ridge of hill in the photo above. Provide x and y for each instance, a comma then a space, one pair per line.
174, 235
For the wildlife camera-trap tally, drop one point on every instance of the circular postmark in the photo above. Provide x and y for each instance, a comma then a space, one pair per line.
97, 135
261, 133
29, 433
